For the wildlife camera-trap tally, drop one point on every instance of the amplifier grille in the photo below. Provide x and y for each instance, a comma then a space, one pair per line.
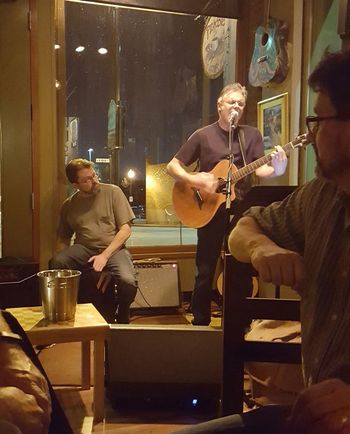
158, 285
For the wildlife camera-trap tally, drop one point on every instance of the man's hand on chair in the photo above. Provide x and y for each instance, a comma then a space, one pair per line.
279, 266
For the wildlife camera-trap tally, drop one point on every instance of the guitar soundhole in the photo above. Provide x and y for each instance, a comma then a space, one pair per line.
222, 186
265, 38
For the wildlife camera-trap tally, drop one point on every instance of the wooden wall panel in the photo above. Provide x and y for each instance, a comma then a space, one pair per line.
15, 112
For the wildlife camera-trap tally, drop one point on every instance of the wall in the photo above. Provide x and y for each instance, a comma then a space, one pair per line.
252, 19
15, 113
323, 38
47, 137
28, 165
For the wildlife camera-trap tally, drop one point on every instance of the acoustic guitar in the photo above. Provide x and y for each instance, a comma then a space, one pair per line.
195, 208
269, 62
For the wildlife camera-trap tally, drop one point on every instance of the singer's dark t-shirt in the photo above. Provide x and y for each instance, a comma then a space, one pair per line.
209, 145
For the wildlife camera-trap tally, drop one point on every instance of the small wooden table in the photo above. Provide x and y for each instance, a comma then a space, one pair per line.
87, 326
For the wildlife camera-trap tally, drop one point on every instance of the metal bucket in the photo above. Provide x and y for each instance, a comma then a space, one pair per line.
59, 293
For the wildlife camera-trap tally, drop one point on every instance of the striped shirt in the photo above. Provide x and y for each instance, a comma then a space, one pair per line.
315, 222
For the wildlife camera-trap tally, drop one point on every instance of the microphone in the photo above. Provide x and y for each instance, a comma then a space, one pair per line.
233, 118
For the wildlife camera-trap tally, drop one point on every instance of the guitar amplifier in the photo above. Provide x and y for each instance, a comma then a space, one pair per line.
158, 285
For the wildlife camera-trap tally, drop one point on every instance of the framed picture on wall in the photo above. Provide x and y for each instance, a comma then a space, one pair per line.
273, 121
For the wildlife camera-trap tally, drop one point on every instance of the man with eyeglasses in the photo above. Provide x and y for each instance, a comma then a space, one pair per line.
100, 217
304, 242
207, 147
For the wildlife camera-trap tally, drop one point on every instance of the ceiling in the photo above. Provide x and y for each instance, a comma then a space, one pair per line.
220, 8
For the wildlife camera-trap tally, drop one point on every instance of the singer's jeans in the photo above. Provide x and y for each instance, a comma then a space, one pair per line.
210, 238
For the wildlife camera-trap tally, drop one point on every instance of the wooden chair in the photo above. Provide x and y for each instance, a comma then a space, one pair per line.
240, 309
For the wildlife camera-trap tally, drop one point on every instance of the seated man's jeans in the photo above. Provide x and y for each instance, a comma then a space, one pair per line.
119, 265
270, 419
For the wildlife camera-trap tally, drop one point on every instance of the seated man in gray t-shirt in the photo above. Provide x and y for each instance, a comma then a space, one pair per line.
100, 217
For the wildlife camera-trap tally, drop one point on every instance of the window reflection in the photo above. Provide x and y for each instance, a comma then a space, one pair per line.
136, 90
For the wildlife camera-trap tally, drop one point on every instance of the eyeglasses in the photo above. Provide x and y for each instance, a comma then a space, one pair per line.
313, 122
88, 179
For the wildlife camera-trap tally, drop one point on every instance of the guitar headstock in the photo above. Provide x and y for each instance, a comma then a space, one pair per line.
300, 141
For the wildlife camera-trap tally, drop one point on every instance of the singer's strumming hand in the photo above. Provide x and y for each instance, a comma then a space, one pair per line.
279, 160
204, 181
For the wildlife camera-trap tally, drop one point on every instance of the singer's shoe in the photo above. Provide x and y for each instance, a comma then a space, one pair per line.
201, 321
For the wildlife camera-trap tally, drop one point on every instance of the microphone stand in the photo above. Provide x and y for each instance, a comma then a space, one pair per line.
229, 186
232, 127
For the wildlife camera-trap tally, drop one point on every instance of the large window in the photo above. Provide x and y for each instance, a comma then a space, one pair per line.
135, 90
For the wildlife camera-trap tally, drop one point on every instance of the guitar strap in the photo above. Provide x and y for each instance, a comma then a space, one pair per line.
241, 141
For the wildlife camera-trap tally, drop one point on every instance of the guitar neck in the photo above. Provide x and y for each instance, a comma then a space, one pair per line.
251, 167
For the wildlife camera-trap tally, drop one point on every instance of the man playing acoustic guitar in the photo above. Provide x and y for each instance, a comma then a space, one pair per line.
208, 146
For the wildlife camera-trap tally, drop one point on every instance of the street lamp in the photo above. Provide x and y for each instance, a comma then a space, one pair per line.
131, 175
90, 150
